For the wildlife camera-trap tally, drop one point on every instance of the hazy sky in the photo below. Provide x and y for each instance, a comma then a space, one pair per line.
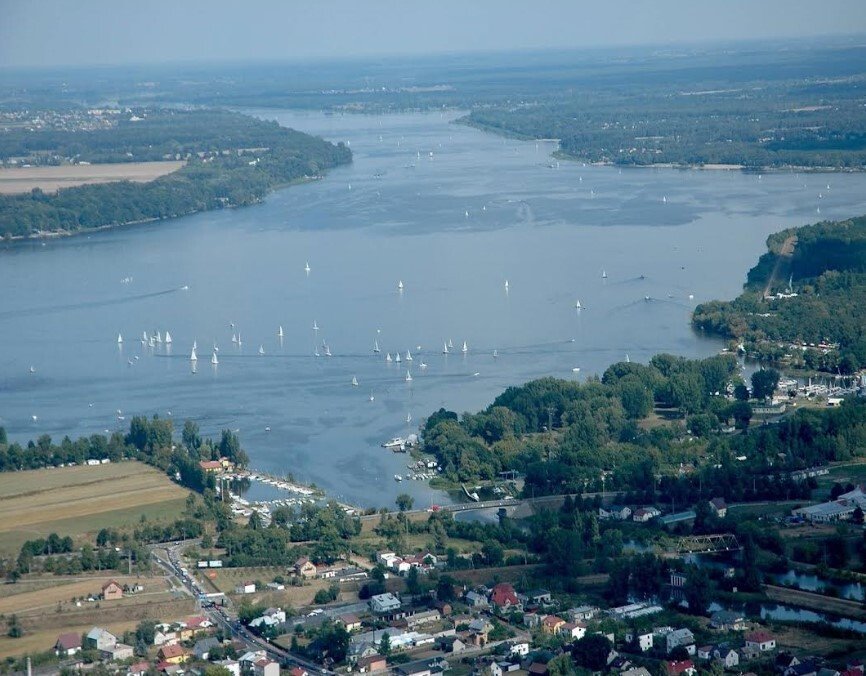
75, 32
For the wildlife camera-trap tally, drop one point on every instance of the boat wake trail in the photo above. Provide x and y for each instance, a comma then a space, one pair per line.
51, 309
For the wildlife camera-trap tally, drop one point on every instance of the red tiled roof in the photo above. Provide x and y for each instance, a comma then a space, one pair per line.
504, 594
68, 641
758, 637
676, 668
109, 583
552, 620
168, 651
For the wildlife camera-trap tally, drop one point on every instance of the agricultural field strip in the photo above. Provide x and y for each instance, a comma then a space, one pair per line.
51, 179
19, 483
50, 597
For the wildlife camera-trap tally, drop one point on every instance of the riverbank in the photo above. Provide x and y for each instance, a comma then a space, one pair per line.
816, 602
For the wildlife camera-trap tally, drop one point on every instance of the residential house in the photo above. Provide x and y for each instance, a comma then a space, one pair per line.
643, 640
503, 667
680, 668
475, 600
272, 617
164, 637
428, 667
479, 629
615, 512
299, 671
266, 667
233, 666
246, 588
112, 591
198, 622
504, 597
118, 652
748, 653
138, 669
384, 603
305, 568
422, 618
203, 646
636, 671
705, 652
453, 644
173, 654
520, 648
371, 664
726, 620
539, 597
249, 658
808, 667
582, 613
644, 514
538, 669
727, 656
67, 644
211, 466
350, 622
761, 640
99, 639
719, 507
552, 624
532, 619
573, 631
680, 637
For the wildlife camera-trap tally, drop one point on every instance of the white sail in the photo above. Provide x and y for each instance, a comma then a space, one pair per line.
307, 267
408, 377
240, 342
119, 339
192, 355
261, 349
376, 346
371, 395
315, 326
214, 360
167, 338
158, 337
144, 336
280, 332
234, 338
408, 356
450, 344
354, 381
578, 305
397, 358
604, 274
195, 344
495, 353
400, 285
444, 348
388, 357
465, 348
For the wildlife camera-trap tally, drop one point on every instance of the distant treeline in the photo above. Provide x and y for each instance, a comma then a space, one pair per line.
828, 272
232, 160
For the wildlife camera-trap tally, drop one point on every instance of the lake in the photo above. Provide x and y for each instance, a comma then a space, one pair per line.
451, 212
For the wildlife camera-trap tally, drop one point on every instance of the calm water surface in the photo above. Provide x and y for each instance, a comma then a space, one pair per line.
453, 225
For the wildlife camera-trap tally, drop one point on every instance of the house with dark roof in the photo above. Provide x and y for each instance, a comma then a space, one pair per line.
67, 644
719, 507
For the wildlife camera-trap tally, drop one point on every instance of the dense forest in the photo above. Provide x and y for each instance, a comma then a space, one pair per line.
827, 271
565, 436
231, 160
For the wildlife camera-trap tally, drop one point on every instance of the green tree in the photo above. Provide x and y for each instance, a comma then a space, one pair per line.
697, 590
14, 629
404, 502
385, 645
764, 383
493, 553
591, 652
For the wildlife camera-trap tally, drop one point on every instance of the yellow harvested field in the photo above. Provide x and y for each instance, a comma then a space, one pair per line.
40, 640
51, 179
77, 500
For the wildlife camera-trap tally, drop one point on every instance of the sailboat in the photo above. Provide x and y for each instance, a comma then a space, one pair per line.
450, 344
423, 366
315, 326
627, 360
307, 267
280, 332
327, 351
32, 369
664, 199
376, 346
119, 339
192, 355
466, 213
371, 395
354, 381
144, 336
465, 348
408, 356
408, 418
234, 338
506, 285
240, 342
400, 285
167, 338
214, 360
151, 342
408, 377
261, 349
397, 358
577, 305
444, 347
388, 358
495, 353
604, 274
158, 337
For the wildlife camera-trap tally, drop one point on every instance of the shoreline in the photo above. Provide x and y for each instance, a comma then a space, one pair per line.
57, 234
709, 166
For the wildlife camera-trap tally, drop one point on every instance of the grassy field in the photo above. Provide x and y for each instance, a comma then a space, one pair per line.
78, 500
46, 607
52, 179
226, 579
